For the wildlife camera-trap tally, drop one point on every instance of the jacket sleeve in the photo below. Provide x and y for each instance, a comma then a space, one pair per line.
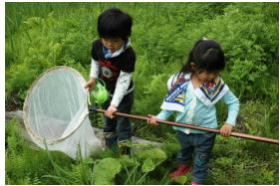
164, 114
122, 85
94, 70
233, 107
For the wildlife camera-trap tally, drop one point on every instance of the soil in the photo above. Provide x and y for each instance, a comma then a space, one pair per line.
12, 104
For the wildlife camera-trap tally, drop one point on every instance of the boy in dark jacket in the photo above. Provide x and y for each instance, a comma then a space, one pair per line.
113, 61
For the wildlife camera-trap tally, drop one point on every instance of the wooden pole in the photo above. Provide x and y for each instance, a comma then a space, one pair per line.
235, 134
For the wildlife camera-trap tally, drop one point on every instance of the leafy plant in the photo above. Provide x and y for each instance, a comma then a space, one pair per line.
105, 170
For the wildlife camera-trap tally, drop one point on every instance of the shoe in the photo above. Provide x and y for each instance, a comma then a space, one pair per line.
124, 146
182, 170
195, 183
111, 143
125, 150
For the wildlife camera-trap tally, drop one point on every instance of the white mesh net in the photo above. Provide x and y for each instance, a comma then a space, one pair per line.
56, 113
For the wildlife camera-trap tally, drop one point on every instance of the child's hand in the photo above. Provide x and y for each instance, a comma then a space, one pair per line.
152, 120
110, 111
226, 130
90, 84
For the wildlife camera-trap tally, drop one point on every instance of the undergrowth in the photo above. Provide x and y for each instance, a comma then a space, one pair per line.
234, 161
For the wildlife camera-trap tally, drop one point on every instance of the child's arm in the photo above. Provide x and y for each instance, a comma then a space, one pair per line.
233, 108
122, 85
123, 82
94, 72
163, 115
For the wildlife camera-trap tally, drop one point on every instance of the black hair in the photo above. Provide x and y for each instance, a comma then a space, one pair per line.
113, 23
206, 55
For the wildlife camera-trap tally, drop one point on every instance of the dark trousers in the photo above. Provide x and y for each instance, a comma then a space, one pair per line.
196, 149
118, 129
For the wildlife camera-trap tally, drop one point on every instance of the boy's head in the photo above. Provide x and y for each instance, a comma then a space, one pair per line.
114, 24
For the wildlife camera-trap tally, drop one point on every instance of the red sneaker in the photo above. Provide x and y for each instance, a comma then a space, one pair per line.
182, 170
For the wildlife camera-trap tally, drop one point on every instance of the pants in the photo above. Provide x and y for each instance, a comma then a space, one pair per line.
118, 129
196, 148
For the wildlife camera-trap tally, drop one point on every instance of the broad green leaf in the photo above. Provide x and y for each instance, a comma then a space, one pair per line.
154, 154
181, 179
148, 165
105, 171
126, 161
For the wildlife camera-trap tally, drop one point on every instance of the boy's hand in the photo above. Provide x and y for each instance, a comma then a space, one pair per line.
90, 84
110, 111
152, 120
226, 130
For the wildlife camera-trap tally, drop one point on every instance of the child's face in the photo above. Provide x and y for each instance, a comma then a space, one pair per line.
207, 77
112, 44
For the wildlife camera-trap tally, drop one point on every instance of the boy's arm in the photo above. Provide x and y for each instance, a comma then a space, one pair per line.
94, 70
120, 91
122, 85
123, 82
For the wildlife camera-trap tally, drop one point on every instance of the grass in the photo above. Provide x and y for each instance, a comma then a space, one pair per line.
234, 161
42, 35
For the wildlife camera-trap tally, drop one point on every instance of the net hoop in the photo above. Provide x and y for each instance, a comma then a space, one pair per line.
31, 132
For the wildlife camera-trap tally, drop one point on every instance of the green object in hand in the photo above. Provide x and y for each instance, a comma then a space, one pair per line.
99, 94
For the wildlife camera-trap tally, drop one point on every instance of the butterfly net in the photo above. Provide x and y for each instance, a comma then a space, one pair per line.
56, 113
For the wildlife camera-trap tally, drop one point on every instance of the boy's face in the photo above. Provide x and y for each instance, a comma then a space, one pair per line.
112, 44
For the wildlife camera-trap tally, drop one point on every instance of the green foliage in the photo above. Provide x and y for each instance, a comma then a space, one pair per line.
260, 119
151, 158
26, 165
148, 165
43, 43
21, 162
181, 180
154, 154
47, 38
171, 148
143, 163
127, 161
105, 170
237, 158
